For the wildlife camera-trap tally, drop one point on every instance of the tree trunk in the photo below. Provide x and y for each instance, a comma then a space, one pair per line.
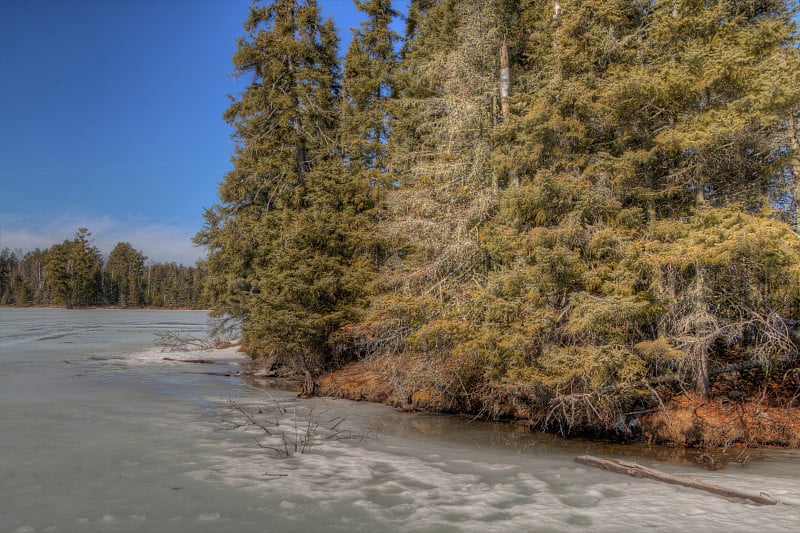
704, 328
637, 470
700, 198
309, 386
702, 382
794, 144
505, 82
505, 91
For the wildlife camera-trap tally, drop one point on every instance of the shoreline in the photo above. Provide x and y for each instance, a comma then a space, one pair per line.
711, 426
701, 455
102, 308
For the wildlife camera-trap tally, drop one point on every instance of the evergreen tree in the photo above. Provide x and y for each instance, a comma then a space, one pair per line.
59, 274
441, 160
276, 120
558, 239
369, 67
642, 244
73, 269
631, 118
281, 243
125, 267
417, 12
8, 263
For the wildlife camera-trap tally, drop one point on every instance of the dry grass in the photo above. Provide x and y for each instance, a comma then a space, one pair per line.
759, 419
689, 420
361, 381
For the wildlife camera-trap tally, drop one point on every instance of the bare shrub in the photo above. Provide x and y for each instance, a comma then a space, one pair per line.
176, 341
291, 430
223, 333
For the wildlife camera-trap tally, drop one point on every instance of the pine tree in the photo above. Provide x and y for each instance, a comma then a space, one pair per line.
369, 67
125, 267
643, 241
611, 222
8, 263
73, 269
444, 113
281, 243
417, 12
631, 118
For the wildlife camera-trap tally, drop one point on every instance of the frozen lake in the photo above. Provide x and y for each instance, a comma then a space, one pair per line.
99, 433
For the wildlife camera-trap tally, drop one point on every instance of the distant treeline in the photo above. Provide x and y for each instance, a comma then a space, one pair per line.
75, 273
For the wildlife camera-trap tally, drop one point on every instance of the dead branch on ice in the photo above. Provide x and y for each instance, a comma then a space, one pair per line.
175, 341
637, 470
290, 430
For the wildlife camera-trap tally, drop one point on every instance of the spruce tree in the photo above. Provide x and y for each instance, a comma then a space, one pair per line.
644, 242
640, 131
125, 267
281, 242
417, 12
369, 67
8, 263
443, 116
73, 270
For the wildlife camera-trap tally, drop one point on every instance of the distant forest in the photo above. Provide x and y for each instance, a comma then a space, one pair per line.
76, 274
565, 211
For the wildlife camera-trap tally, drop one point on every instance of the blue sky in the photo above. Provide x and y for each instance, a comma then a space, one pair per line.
110, 118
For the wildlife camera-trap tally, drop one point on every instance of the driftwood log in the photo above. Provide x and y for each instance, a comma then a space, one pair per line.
194, 361
637, 470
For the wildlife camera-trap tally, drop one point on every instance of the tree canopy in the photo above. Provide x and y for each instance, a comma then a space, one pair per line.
564, 210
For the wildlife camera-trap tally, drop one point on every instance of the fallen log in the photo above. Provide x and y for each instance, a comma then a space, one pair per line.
195, 361
637, 470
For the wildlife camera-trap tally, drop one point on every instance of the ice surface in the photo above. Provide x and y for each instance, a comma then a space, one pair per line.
100, 433
399, 482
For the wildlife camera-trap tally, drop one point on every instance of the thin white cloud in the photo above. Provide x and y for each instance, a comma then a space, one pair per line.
42, 169
123, 167
160, 242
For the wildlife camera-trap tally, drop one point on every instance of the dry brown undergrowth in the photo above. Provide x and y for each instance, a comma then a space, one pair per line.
720, 422
687, 420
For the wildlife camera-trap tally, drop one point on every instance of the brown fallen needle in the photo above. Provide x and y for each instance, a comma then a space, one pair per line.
637, 470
